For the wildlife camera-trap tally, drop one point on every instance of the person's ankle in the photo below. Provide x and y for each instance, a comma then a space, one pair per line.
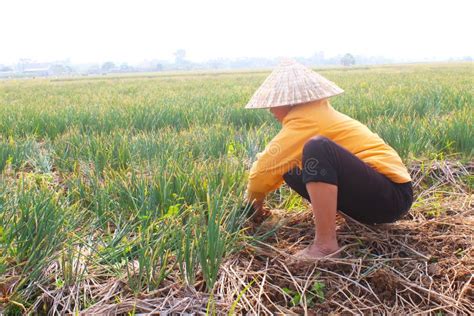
326, 246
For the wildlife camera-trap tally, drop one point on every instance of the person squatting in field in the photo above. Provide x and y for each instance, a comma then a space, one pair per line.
328, 158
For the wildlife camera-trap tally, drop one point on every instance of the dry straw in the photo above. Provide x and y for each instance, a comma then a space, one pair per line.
292, 83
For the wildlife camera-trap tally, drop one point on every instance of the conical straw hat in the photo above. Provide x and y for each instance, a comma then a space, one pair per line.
292, 83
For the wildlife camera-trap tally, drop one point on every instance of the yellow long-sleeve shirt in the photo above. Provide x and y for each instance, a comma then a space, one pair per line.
304, 121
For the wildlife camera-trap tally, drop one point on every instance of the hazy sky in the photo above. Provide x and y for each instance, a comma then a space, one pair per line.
101, 30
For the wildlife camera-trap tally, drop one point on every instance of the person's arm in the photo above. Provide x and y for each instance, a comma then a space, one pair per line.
280, 155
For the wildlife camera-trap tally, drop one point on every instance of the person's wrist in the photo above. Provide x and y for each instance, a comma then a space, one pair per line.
258, 205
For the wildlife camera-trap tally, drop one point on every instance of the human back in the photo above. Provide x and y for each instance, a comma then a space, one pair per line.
321, 119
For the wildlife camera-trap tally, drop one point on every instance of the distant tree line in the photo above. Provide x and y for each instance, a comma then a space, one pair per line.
28, 68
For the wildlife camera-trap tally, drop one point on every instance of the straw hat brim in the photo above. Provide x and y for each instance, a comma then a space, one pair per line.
296, 102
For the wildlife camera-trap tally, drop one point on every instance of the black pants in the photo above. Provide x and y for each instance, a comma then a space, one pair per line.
363, 193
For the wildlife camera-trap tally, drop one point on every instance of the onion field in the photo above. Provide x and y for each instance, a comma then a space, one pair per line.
124, 195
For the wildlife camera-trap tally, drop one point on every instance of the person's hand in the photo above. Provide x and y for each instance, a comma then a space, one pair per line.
260, 212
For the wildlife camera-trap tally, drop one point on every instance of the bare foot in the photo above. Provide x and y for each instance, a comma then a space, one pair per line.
315, 252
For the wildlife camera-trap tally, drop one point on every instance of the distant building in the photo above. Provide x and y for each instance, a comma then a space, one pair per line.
29, 68
36, 72
7, 74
